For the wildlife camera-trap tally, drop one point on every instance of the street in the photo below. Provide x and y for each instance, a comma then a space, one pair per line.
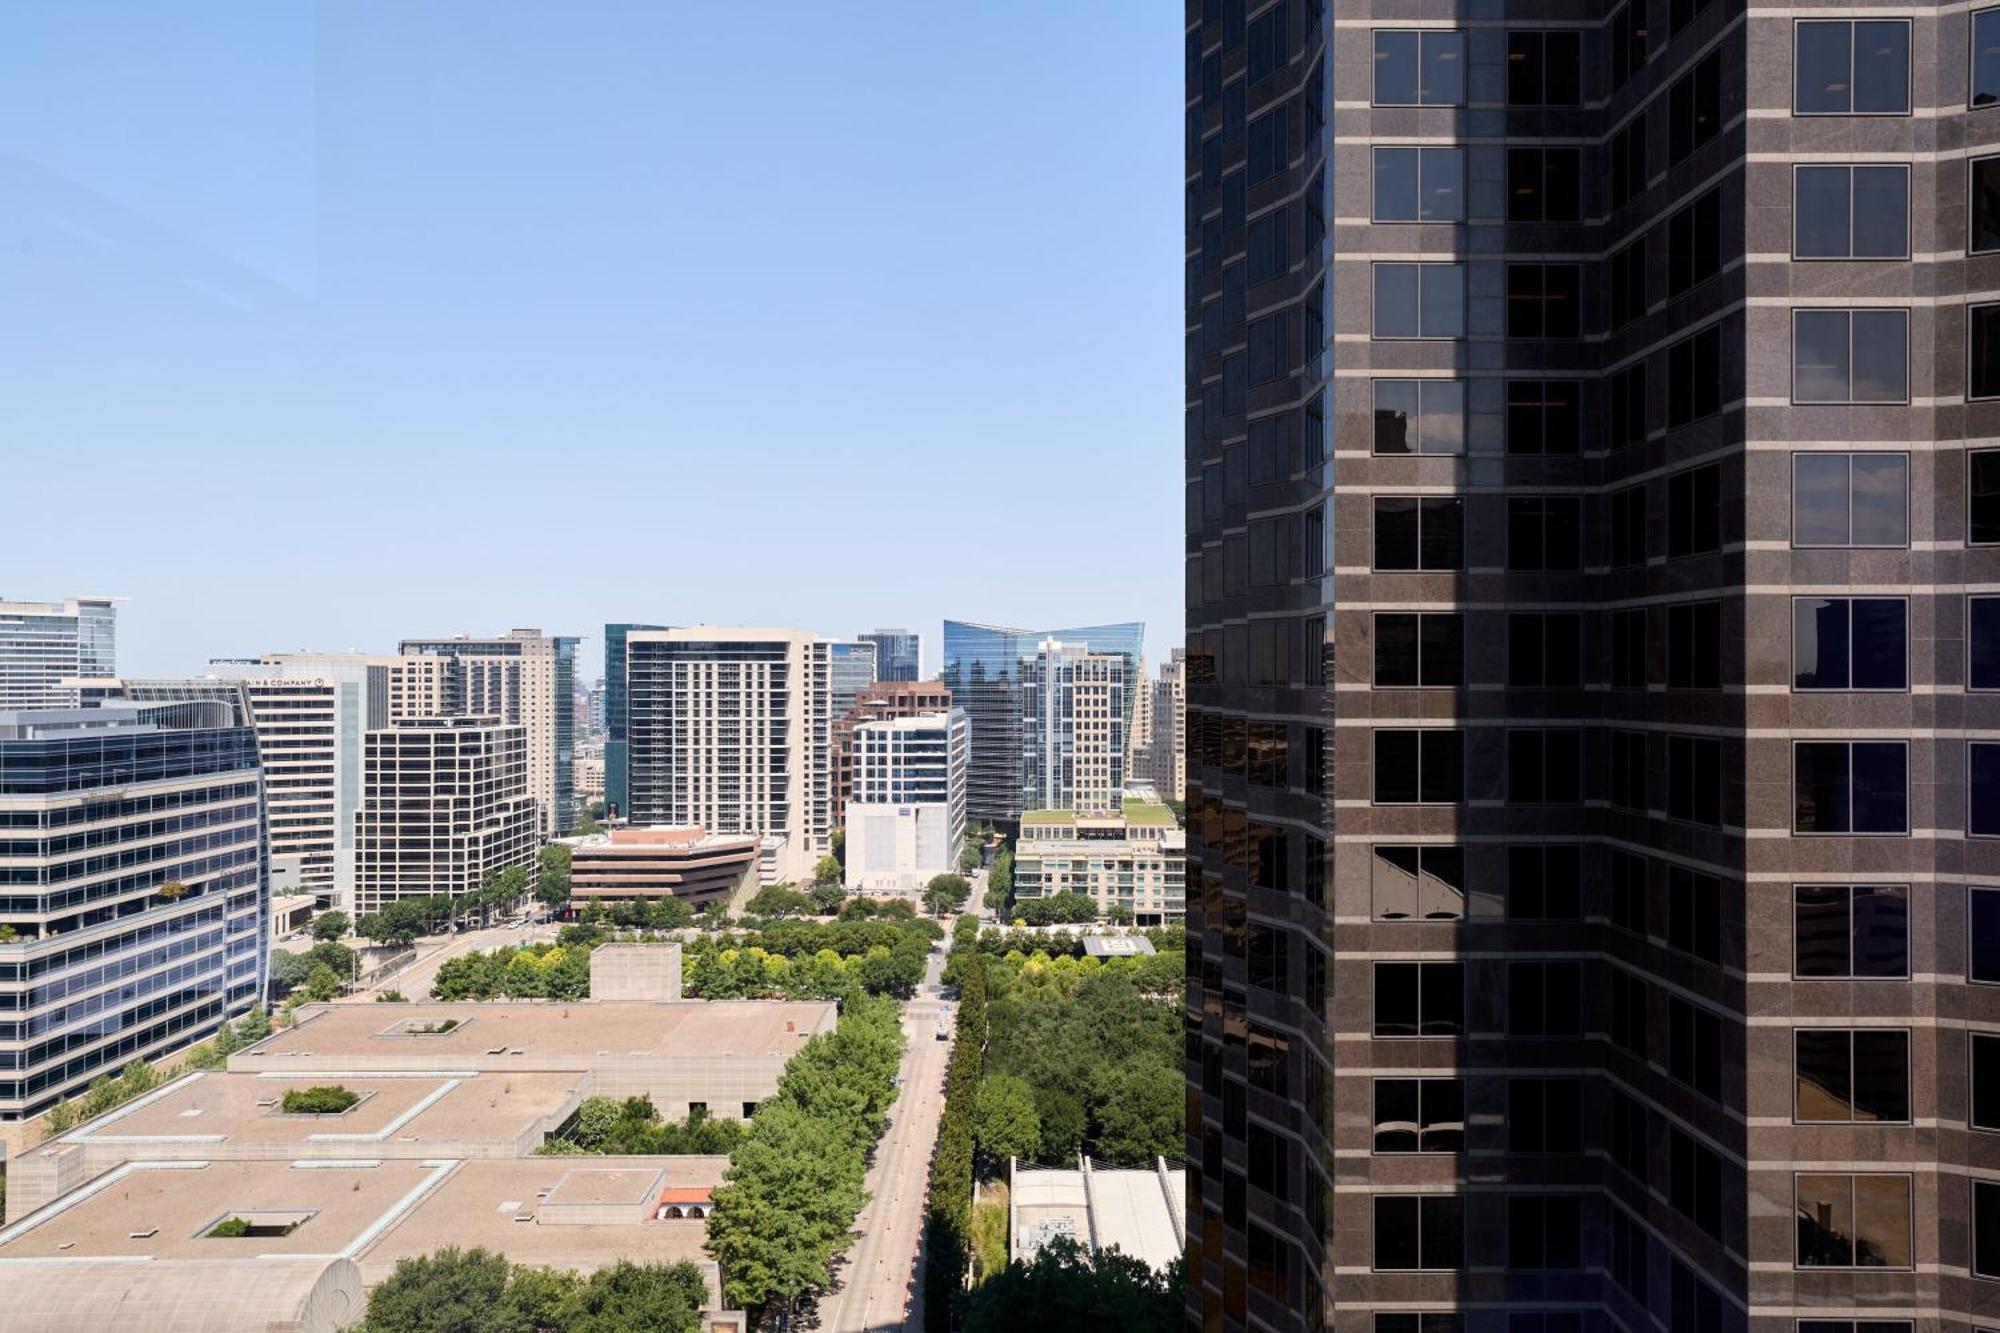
433, 951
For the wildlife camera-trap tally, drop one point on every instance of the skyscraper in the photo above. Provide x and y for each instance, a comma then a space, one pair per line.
43, 644
617, 792
445, 803
982, 668
850, 671
527, 678
1168, 753
1073, 724
898, 654
906, 820
1623, 972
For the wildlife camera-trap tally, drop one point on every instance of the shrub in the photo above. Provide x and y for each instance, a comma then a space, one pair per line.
322, 1099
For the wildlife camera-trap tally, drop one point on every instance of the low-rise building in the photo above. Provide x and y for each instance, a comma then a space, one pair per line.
906, 821
1133, 862
880, 702
1137, 1212
631, 864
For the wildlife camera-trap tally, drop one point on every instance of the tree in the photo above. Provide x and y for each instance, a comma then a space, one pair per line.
969, 860
587, 824
1065, 1286
663, 1297
785, 1208
511, 886
1004, 1120
780, 900
1140, 1113
289, 970
946, 893
321, 984
828, 897
331, 925
827, 870
451, 1291
396, 925
552, 876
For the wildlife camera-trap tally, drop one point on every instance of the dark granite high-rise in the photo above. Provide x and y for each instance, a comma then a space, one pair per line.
1593, 463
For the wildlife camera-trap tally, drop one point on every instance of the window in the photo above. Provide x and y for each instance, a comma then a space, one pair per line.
1857, 931
1628, 42
1694, 913
1544, 883
1419, 532
1694, 377
1983, 777
1982, 633
1419, 68
1419, 301
1694, 108
1694, 646
1982, 490
1851, 356
1270, 347
1843, 499
1983, 236
1694, 1047
1419, 999
1985, 1080
1983, 340
1851, 68
1855, 1326
1626, 277
1544, 300
1419, 185
1850, 787
1627, 161
1544, 999
1850, 643
1682, 13
1544, 1231
1628, 770
1419, 767
1270, 148
1544, 767
1543, 533
1628, 527
1419, 1231
1267, 43
1628, 1253
1628, 891
1694, 1180
1853, 1221
1544, 185
1696, 1306
1543, 417
1267, 246
1270, 1265
1419, 651
1851, 212
1419, 416
1268, 750
1986, 1228
1626, 424
1694, 779
1628, 1012
1544, 1115
1414, 1115
1543, 68
1694, 243
1417, 1323
1544, 650
1424, 883
1985, 57
1694, 511
1842, 1075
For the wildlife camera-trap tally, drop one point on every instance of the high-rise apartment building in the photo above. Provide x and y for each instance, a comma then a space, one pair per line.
898, 654
729, 729
1139, 737
617, 789
136, 914
45, 644
881, 701
850, 671
527, 678
983, 667
1629, 968
1167, 756
1073, 727
906, 819
445, 802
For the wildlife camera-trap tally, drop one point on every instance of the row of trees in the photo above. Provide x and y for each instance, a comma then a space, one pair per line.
399, 923
479, 1291
946, 893
811, 960
516, 972
1066, 1286
785, 1211
633, 1127
948, 1218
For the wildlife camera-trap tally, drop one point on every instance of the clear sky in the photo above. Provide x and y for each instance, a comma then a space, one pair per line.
322, 325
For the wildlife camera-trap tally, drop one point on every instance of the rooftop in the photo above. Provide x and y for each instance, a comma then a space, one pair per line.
1133, 1211
1148, 812
1049, 818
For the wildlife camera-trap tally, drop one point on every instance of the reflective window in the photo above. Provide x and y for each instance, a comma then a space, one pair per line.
1625, 276
1424, 766
1419, 68
1419, 532
1544, 300
1986, 1228
1419, 999
1270, 146
1858, 931
1985, 1080
1694, 377
1694, 779
1543, 185
1850, 787
1416, 1115
1694, 108
1627, 160
1853, 1221
1850, 499
1544, 533
1626, 420
1982, 635
1419, 185
1543, 417
1544, 1231
1544, 766
1421, 883
1844, 67
1850, 643
1544, 1115
1694, 646
1628, 527
1985, 57
1983, 351
1544, 999
1984, 189
1857, 212
1419, 301
1843, 1075
1851, 356
1417, 1323
1543, 68
1267, 43
1982, 949
1419, 1231
1545, 650
1983, 779
1628, 42
1419, 416
1982, 491
1694, 913
1694, 511
1545, 882
1694, 243
1419, 651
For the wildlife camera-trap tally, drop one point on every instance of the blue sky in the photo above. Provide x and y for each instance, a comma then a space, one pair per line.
324, 325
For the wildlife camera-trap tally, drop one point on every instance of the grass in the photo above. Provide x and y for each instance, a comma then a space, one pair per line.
989, 1232
1147, 812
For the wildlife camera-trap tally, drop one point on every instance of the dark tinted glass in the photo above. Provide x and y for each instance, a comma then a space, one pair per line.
1983, 935
1986, 72
1881, 916
1983, 374
1881, 787
1982, 483
1983, 777
1985, 1081
1822, 73
1985, 188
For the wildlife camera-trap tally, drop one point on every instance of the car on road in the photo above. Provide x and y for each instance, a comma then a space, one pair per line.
943, 1033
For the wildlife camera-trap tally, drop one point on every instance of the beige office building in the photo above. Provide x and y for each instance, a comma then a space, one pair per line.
1169, 750
444, 802
1134, 861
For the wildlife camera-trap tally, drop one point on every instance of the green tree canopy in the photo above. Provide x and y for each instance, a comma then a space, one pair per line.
331, 925
1067, 1287
1004, 1120
552, 876
827, 870
946, 893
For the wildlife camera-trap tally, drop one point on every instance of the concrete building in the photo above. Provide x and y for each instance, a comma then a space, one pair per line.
444, 803
883, 700
528, 679
639, 862
983, 666
425, 685
1074, 720
589, 776
1131, 862
617, 788
1139, 737
729, 729
136, 914
850, 671
46, 645
898, 654
906, 818
1134, 1211
1167, 755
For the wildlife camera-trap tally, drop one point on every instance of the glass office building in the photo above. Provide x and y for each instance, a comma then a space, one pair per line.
42, 644
983, 666
132, 889
617, 743
851, 669
898, 653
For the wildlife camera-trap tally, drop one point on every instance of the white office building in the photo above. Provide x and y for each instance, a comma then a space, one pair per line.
444, 803
906, 818
1073, 721
46, 646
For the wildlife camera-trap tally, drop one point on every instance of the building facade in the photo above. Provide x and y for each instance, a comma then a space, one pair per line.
1074, 722
906, 817
851, 670
526, 678
135, 914
617, 787
983, 669
1131, 863
898, 654
1588, 446
636, 863
45, 644
1167, 756
1139, 737
445, 802
729, 729
882, 700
